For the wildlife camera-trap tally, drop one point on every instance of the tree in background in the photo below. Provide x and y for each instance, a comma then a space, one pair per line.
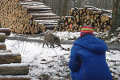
115, 15
65, 5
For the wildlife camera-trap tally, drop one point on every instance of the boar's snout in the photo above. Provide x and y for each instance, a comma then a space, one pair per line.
59, 44
57, 41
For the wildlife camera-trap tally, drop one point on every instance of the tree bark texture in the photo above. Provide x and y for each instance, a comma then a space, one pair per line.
115, 15
14, 70
6, 58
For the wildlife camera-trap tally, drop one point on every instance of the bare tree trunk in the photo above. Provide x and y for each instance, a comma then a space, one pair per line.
65, 5
60, 8
43, 1
79, 4
115, 15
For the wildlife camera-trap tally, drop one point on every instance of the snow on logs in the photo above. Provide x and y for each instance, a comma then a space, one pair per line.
14, 69
10, 63
19, 15
6, 58
7, 31
79, 17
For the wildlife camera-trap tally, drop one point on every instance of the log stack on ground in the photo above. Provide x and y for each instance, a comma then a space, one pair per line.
10, 63
25, 16
3, 33
79, 17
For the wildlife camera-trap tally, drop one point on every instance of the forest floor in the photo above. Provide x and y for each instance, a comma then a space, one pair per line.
52, 63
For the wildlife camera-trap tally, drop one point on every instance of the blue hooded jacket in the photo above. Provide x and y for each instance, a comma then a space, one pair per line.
88, 59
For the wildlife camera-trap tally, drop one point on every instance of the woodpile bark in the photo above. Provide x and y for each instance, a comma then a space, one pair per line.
14, 78
19, 16
2, 46
14, 69
80, 16
7, 31
6, 58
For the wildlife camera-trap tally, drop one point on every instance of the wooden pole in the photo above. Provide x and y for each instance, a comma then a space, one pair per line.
6, 58
14, 69
7, 31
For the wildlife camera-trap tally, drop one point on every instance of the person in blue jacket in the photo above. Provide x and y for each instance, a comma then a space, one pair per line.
88, 57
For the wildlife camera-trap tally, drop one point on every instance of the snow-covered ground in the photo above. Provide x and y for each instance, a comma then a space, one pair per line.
53, 61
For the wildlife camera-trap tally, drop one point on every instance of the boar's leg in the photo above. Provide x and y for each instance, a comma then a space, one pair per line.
52, 46
43, 44
47, 44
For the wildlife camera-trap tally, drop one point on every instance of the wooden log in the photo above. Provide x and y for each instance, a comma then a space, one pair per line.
2, 37
35, 5
47, 18
108, 27
38, 9
6, 58
30, 2
43, 15
37, 12
71, 12
2, 46
105, 29
5, 30
14, 69
14, 78
45, 21
104, 18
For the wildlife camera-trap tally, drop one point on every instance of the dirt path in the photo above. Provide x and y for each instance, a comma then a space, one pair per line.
115, 46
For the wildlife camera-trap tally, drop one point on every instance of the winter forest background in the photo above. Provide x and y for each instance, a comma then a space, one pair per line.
62, 7
52, 63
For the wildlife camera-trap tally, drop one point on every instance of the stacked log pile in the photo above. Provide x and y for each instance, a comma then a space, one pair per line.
3, 33
7, 57
79, 17
24, 16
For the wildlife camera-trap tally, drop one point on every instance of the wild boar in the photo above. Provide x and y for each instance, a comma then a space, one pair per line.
51, 39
